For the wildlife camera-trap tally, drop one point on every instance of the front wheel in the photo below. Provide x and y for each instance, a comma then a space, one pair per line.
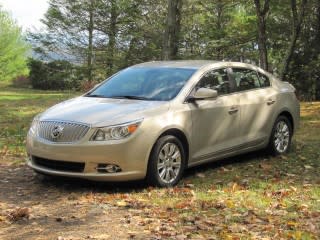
281, 135
166, 162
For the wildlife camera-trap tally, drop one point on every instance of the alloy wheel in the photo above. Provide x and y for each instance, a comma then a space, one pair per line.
282, 136
169, 162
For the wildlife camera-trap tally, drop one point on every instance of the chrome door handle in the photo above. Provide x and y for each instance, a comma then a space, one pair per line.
233, 110
271, 101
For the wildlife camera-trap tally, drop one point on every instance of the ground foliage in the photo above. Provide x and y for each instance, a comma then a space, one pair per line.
253, 196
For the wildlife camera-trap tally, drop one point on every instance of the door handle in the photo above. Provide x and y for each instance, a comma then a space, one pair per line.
233, 110
271, 101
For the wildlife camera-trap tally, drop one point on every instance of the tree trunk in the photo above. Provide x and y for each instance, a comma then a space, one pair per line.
296, 29
220, 9
90, 46
262, 35
172, 31
317, 50
112, 37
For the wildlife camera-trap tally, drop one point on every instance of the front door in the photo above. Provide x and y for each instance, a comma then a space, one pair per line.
215, 122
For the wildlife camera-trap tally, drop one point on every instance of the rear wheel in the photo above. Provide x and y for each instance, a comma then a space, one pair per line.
281, 135
166, 162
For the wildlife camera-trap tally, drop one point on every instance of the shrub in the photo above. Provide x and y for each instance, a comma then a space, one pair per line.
21, 82
87, 85
55, 75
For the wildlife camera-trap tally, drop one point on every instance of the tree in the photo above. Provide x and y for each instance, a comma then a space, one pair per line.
90, 38
172, 31
55, 75
304, 67
13, 49
297, 19
262, 13
108, 20
104, 36
316, 52
70, 32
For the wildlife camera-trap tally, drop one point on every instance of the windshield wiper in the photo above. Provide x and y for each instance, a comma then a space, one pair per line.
95, 95
131, 97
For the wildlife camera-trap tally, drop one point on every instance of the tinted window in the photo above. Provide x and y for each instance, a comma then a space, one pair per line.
245, 79
160, 84
216, 80
264, 80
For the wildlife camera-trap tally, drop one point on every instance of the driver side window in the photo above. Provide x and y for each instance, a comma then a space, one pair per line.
216, 80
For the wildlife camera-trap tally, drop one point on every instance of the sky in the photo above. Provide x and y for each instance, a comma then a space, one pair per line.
27, 13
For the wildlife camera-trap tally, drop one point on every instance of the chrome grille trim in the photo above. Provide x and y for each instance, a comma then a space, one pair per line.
72, 131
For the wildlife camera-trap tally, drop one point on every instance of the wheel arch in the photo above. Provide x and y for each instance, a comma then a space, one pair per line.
289, 116
182, 137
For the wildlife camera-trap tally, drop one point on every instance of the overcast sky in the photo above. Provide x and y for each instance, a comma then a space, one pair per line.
26, 12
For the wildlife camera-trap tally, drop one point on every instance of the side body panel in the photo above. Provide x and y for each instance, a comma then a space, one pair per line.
257, 113
214, 127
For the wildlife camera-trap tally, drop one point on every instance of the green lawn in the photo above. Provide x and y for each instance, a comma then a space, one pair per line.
253, 196
17, 109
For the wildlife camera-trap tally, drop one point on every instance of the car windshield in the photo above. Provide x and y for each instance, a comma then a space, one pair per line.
139, 83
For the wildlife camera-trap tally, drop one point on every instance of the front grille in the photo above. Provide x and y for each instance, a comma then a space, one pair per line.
58, 165
67, 132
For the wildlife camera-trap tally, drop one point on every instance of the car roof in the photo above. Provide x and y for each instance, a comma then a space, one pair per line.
190, 64
198, 64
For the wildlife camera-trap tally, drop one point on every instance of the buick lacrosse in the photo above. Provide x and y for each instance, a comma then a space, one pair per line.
153, 120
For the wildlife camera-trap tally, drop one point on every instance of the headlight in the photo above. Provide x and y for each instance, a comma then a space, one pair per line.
116, 132
34, 125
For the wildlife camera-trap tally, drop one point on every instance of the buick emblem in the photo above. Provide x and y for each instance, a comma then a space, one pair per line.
56, 132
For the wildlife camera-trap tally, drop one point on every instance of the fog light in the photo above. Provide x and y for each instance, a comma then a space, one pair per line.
108, 168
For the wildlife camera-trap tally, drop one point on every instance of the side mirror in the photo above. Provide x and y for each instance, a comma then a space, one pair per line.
203, 94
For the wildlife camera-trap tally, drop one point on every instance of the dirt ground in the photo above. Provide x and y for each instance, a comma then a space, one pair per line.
54, 209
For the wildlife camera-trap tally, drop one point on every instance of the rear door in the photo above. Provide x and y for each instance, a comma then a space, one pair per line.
215, 123
257, 102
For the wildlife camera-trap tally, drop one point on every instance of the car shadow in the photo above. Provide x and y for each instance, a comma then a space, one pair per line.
225, 162
81, 185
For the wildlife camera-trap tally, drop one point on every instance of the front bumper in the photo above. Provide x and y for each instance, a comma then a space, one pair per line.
130, 154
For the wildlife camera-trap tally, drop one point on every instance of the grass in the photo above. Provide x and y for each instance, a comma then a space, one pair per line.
253, 196
17, 109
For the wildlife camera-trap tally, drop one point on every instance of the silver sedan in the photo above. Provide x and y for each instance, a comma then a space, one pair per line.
153, 120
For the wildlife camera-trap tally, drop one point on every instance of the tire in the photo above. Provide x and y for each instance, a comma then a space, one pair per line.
166, 162
280, 138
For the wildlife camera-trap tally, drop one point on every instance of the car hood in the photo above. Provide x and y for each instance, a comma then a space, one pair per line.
103, 111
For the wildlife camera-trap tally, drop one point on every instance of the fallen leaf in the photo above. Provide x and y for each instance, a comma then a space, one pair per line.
132, 234
219, 205
201, 226
265, 166
18, 214
230, 204
308, 167
2, 218
181, 237
234, 187
293, 188
302, 158
200, 175
182, 205
189, 185
283, 157
223, 169
122, 204
292, 224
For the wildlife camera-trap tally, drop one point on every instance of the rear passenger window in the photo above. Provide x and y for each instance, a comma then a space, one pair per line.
245, 79
217, 80
264, 80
